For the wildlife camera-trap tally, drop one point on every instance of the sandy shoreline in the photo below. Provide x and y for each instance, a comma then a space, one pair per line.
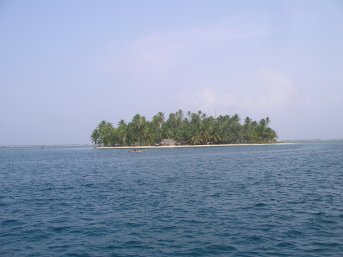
185, 146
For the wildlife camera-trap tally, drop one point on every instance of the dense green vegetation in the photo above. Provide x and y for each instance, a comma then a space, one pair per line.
191, 128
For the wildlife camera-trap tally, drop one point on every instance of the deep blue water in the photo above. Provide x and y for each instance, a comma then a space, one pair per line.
282, 200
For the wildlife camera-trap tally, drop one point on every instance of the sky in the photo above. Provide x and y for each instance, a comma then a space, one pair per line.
67, 65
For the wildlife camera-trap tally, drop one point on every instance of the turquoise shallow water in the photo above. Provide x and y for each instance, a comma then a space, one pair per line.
282, 200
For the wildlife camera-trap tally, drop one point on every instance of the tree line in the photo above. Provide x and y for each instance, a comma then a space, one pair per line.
192, 128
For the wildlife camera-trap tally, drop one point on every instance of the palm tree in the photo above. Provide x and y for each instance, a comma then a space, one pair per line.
137, 124
160, 118
95, 137
247, 130
235, 128
196, 140
105, 133
194, 128
265, 134
157, 122
122, 132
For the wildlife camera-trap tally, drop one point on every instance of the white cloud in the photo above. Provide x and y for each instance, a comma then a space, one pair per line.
156, 55
268, 90
209, 99
274, 90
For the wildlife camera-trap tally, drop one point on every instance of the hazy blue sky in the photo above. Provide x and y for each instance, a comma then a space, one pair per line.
65, 65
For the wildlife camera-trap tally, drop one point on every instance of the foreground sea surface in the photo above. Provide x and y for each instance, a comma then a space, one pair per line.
276, 200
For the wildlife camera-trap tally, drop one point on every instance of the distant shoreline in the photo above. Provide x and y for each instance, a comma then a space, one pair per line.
185, 146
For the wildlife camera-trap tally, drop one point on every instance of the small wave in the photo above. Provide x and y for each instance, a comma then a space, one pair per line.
11, 222
285, 245
260, 205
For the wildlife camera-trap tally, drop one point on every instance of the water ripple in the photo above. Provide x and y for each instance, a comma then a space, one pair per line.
245, 201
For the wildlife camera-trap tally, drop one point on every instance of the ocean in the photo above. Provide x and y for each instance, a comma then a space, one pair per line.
271, 200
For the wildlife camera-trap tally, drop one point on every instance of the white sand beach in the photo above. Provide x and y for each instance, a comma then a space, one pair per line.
185, 146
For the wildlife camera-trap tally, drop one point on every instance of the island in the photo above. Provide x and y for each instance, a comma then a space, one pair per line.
183, 129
